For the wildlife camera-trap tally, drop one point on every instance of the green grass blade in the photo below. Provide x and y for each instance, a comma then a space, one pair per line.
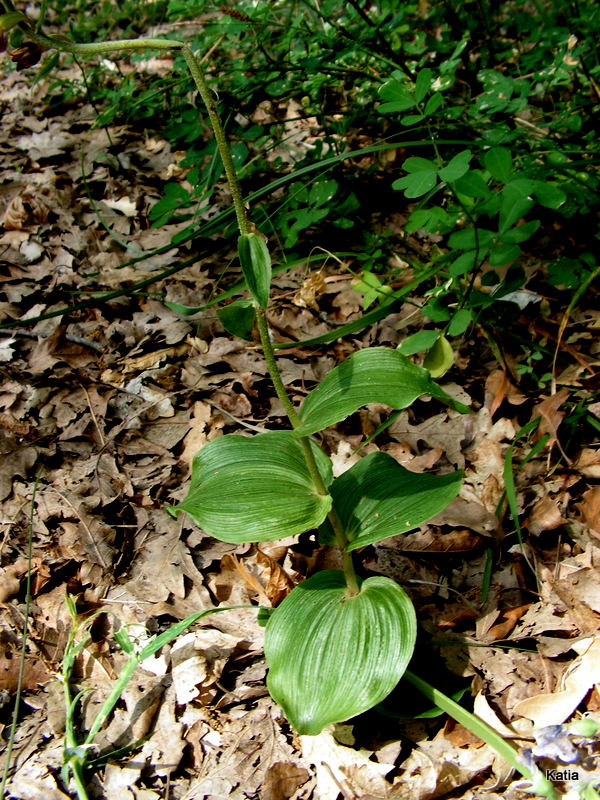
484, 732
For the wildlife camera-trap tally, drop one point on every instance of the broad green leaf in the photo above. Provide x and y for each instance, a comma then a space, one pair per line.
460, 322
470, 238
255, 489
256, 266
373, 375
472, 184
322, 192
436, 310
411, 119
417, 342
431, 219
399, 97
465, 262
440, 358
423, 83
8, 21
434, 102
416, 184
503, 253
418, 164
332, 656
238, 318
498, 162
378, 498
456, 167
521, 233
515, 203
549, 194
421, 178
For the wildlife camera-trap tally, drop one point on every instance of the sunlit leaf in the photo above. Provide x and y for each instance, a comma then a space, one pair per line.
255, 489
440, 358
332, 656
378, 498
417, 342
373, 375
398, 96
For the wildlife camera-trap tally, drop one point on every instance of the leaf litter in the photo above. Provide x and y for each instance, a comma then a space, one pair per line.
108, 407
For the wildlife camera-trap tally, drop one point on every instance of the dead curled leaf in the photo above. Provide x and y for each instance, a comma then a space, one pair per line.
590, 508
545, 516
579, 677
11, 575
552, 416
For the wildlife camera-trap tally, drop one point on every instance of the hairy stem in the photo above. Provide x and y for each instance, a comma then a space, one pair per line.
221, 139
267, 347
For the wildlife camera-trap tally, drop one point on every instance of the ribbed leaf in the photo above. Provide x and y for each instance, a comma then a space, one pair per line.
255, 489
332, 656
378, 498
256, 266
373, 375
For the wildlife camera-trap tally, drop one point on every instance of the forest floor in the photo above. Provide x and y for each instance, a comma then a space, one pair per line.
101, 412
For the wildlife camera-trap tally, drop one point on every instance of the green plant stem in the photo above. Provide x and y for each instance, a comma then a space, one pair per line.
220, 138
340, 536
267, 347
98, 48
244, 228
484, 732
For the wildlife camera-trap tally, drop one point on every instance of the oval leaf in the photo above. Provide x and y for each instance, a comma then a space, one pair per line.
498, 162
456, 167
373, 375
378, 498
256, 266
255, 489
238, 318
440, 358
332, 656
417, 342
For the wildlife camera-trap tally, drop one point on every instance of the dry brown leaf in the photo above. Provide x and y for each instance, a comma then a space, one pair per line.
342, 768
498, 388
312, 288
436, 768
590, 508
15, 464
35, 673
545, 516
282, 780
549, 411
231, 563
432, 540
278, 584
165, 748
588, 462
509, 618
579, 677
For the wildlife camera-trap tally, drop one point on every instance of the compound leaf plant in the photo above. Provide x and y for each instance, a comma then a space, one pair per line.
337, 645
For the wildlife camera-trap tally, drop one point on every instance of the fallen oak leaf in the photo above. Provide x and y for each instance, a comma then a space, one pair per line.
555, 707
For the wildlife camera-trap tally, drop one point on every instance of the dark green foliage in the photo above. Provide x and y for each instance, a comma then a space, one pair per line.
492, 105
